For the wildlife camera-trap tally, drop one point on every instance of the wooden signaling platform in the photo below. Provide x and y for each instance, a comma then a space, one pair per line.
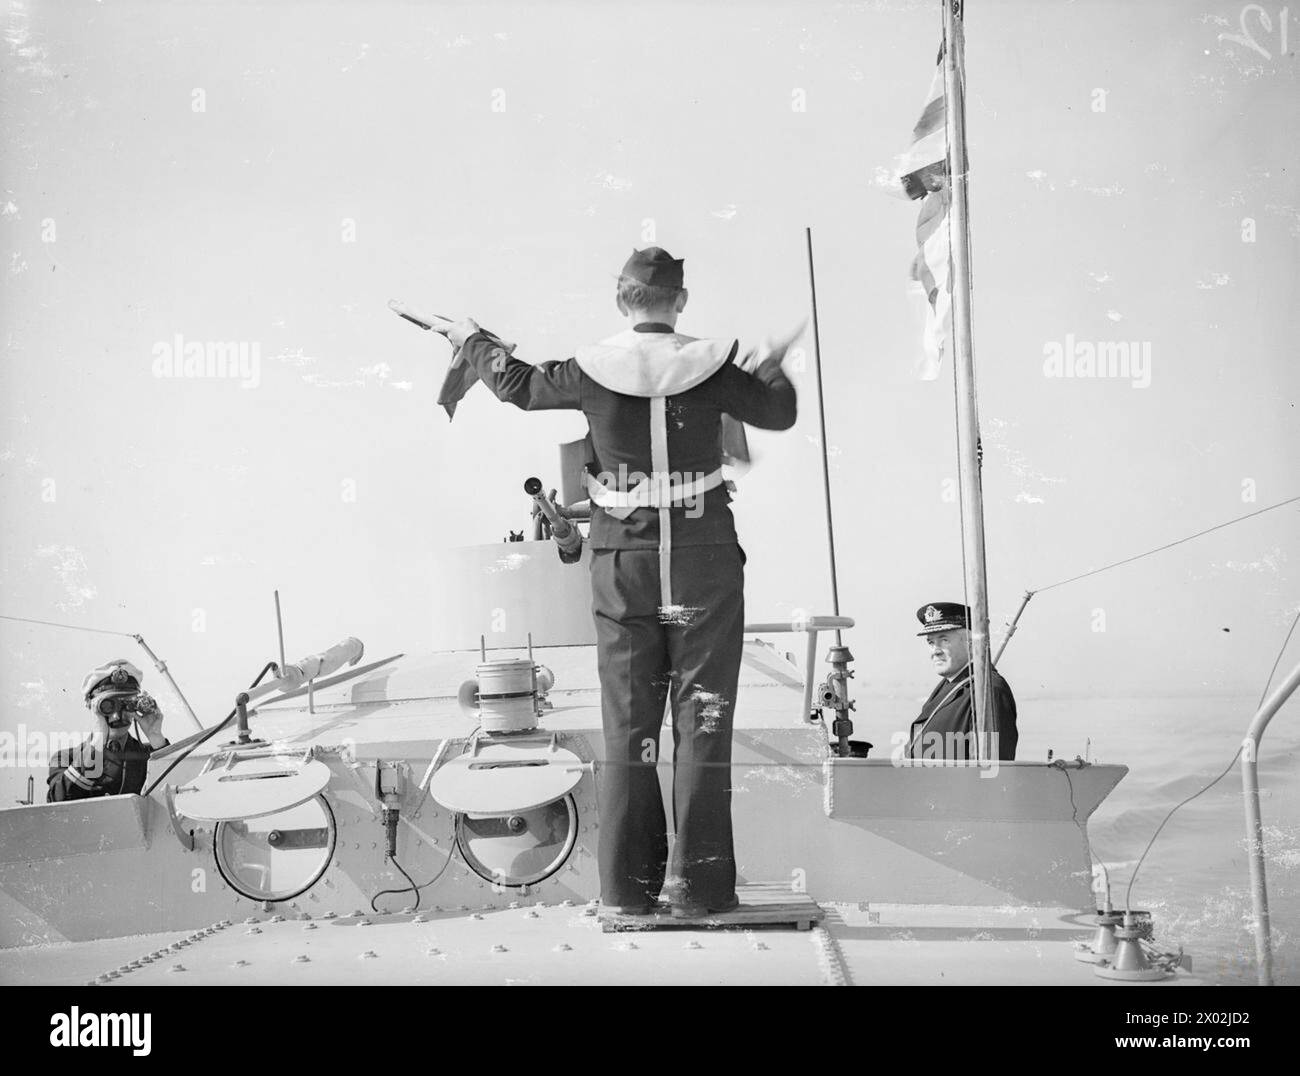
764, 904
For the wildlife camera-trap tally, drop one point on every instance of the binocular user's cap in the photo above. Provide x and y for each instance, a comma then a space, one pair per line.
118, 673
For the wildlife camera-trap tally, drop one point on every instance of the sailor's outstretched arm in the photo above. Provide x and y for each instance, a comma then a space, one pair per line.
547, 386
765, 399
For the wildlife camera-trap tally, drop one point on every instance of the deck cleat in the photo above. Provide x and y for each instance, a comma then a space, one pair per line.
563, 947
369, 954
1131, 962
302, 958
498, 948
176, 968
309, 926
1101, 947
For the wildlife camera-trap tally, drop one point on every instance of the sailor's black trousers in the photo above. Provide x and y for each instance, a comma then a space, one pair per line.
688, 655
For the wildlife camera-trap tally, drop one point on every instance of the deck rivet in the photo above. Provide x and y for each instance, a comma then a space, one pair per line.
627, 946
759, 945
692, 944
433, 951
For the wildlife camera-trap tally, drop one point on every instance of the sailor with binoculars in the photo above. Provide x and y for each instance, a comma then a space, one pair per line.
667, 571
110, 761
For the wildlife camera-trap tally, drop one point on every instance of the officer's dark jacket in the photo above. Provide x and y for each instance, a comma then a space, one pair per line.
946, 725
85, 771
620, 431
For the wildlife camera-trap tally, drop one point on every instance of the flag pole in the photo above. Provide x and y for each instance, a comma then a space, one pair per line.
968, 436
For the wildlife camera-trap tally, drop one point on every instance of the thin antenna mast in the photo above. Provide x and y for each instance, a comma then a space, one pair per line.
821, 415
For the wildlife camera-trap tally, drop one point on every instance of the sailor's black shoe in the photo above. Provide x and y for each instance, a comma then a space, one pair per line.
701, 911
628, 909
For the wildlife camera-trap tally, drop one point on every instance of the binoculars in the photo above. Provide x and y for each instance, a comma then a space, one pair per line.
130, 703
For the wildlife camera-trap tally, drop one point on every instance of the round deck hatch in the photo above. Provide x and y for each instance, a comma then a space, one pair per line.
278, 856
251, 787
520, 848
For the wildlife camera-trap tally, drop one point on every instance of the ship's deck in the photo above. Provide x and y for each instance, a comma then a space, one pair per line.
532, 944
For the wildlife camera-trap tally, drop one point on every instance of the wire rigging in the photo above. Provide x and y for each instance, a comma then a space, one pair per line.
70, 627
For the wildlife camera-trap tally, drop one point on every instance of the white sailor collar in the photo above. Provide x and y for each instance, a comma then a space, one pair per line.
652, 363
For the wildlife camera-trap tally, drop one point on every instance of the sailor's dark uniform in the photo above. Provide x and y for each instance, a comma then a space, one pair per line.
946, 725
113, 769
667, 580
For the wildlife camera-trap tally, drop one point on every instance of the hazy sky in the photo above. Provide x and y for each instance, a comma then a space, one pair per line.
272, 174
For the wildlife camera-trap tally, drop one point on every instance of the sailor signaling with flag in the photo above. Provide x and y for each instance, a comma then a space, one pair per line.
667, 573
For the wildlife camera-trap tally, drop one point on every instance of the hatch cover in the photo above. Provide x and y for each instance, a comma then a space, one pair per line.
496, 778
251, 785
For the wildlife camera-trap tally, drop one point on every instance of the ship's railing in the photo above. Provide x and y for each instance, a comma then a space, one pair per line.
813, 625
1254, 826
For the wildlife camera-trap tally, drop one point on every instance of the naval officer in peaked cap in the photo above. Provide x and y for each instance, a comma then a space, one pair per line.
667, 572
945, 728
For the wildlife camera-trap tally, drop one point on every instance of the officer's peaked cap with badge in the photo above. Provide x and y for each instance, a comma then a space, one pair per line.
942, 616
117, 674
655, 266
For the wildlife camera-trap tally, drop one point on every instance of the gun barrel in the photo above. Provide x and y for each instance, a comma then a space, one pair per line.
560, 526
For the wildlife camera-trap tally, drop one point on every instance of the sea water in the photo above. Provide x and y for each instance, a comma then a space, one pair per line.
1196, 878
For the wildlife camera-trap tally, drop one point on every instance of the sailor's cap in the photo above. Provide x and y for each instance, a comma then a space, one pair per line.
655, 266
102, 676
942, 616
